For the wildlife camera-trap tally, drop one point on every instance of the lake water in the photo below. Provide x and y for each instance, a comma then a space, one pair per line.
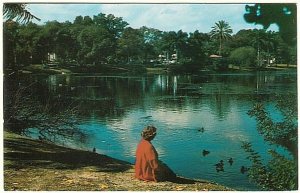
114, 110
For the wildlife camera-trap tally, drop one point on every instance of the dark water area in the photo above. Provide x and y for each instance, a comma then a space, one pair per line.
192, 113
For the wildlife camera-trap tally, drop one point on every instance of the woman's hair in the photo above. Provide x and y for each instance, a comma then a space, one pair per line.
148, 132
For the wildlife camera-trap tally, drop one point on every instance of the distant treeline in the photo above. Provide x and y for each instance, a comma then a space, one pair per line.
108, 40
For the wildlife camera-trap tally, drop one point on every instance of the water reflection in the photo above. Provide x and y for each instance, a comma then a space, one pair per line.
114, 109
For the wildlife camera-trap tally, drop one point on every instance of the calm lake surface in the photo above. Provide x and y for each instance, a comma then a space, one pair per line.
114, 110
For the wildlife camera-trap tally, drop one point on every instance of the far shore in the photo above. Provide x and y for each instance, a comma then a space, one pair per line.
35, 165
39, 68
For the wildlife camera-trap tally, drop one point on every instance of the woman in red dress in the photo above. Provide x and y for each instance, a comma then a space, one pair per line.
146, 165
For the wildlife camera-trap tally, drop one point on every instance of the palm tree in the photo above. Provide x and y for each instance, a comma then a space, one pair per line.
17, 11
221, 31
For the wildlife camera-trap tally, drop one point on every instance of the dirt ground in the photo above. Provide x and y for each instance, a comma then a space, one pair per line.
40, 166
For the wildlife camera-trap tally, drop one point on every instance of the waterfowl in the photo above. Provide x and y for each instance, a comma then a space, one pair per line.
220, 169
244, 169
220, 166
201, 129
205, 152
222, 162
94, 150
230, 160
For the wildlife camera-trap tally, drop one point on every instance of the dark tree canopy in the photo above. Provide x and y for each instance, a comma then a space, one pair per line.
282, 14
105, 39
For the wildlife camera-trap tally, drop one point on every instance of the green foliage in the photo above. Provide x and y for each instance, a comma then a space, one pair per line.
198, 47
268, 45
282, 133
17, 11
281, 172
220, 64
221, 31
130, 45
244, 56
283, 14
107, 40
114, 25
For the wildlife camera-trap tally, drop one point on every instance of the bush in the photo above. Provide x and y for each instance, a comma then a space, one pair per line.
244, 56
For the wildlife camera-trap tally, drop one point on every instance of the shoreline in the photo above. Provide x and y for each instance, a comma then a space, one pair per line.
41, 166
38, 68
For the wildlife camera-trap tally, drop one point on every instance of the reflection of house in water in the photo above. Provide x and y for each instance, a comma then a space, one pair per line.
265, 81
52, 83
165, 83
55, 81
174, 85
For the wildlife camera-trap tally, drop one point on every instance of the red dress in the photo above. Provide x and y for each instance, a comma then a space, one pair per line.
146, 161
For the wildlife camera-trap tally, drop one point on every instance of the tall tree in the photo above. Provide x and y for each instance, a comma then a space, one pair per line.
152, 38
131, 44
265, 43
197, 46
221, 31
48, 39
258, 42
67, 45
115, 25
10, 42
28, 50
174, 42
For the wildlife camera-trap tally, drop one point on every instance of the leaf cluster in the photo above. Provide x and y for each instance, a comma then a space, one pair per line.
18, 11
283, 133
280, 173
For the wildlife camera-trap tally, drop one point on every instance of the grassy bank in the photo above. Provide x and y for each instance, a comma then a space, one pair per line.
268, 68
38, 68
37, 165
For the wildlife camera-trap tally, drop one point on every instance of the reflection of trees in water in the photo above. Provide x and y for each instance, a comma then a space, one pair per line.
221, 105
113, 95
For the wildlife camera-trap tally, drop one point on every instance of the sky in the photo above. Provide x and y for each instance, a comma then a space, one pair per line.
165, 17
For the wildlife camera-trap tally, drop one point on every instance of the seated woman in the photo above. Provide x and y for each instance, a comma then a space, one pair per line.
147, 165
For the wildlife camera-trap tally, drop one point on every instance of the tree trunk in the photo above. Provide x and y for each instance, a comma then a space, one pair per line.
258, 57
220, 48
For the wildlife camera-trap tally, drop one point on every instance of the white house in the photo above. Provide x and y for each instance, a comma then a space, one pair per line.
51, 57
